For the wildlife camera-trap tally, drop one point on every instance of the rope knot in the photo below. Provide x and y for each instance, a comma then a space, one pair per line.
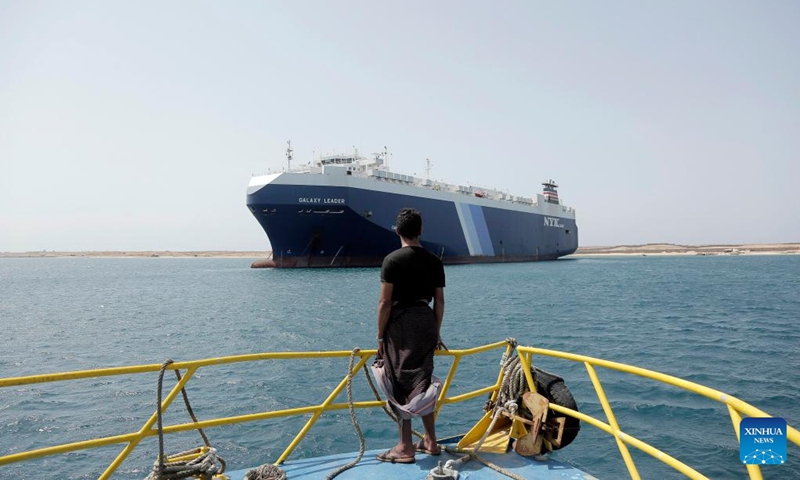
511, 406
265, 472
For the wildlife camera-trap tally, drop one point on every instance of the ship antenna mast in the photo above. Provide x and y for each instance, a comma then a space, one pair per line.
289, 152
428, 166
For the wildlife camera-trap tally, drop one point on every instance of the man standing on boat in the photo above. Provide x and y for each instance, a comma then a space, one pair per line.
408, 335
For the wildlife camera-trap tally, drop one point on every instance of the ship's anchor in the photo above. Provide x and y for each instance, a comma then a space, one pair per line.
519, 418
541, 429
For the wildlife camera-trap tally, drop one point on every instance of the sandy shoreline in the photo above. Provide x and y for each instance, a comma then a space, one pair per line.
648, 249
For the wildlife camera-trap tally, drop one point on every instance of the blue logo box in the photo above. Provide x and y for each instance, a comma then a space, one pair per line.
762, 441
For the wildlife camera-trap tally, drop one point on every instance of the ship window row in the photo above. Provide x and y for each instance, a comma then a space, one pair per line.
302, 211
318, 211
337, 160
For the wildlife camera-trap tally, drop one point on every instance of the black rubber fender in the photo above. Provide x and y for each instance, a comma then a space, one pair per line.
553, 388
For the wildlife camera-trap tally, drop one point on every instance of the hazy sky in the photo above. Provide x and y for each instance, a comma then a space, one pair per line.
137, 125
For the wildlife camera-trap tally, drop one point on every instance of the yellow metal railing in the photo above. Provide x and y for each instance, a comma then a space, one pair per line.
189, 368
736, 407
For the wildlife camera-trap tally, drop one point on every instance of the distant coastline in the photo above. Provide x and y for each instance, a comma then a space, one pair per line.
647, 249
138, 254
673, 249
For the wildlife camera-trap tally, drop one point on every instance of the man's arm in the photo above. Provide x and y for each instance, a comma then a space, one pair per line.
384, 309
438, 310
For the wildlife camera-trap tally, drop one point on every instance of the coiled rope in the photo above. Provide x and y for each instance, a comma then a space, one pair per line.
514, 382
265, 472
205, 465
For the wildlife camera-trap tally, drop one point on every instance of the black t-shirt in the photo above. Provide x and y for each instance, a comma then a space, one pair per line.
414, 272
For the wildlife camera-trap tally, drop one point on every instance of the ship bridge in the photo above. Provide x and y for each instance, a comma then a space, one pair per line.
338, 160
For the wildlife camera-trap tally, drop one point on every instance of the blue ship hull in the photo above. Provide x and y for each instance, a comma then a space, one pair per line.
345, 226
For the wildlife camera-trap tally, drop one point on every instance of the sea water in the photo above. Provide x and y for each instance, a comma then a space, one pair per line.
731, 323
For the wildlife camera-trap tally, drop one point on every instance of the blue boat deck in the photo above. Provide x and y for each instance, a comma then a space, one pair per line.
370, 467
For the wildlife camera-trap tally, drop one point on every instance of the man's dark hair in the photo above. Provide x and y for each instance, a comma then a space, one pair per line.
409, 223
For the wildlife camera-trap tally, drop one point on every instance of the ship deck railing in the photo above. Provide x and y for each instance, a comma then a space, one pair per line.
736, 408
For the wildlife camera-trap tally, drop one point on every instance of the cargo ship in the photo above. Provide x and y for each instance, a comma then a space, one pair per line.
339, 211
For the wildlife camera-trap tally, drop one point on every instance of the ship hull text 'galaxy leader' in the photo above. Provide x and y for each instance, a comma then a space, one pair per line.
340, 212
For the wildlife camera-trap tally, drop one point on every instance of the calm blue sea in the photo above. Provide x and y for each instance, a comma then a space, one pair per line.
731, 323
